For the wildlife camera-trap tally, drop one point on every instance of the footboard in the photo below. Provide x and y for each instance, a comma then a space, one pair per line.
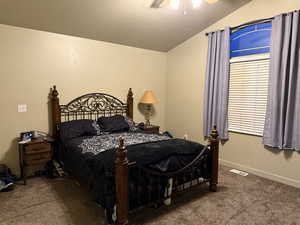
160, 187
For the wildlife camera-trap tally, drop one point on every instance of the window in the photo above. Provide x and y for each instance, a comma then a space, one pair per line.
248, 89
249, 71
251, 40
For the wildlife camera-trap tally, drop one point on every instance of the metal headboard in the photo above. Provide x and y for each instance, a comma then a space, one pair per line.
89, 106
92, 106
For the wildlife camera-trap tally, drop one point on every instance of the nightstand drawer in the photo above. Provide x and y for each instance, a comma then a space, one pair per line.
44, 155
38, 148
36, 162
31, 159
152, 129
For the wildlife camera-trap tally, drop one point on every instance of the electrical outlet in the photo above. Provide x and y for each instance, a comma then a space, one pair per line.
22, 108
242, 173
185, 136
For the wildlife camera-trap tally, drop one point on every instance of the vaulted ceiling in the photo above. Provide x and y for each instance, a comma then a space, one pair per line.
127, 22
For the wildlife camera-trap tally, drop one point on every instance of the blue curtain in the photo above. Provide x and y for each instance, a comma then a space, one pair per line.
282, 125
217, 83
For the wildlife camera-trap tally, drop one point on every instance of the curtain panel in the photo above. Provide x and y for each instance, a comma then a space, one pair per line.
282, 124
217, 83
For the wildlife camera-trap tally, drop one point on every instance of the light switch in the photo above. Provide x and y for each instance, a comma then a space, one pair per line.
22, 108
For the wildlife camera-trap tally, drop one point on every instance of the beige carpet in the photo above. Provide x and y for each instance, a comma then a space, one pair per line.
240, 201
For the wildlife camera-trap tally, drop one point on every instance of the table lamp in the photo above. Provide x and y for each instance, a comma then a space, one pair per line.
148, 99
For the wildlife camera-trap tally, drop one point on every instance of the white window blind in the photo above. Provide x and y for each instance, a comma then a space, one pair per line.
248, 89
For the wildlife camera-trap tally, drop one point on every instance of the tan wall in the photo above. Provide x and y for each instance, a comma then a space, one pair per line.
185, 87
32, 61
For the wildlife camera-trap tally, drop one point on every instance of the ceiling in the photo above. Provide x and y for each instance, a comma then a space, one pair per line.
127, 22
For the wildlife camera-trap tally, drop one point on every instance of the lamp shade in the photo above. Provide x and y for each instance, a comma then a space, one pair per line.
211, 1
148, 98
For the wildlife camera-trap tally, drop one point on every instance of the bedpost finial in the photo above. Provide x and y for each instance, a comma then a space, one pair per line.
121, 143
214, 133
121, 153
130, 94
129, 109
54, 92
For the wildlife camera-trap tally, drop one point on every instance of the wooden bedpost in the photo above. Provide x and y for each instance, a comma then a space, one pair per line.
129, 110
214, 144
122, 184
55, 111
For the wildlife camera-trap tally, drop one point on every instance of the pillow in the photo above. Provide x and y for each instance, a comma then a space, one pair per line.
78, 128
131, 124
113, 123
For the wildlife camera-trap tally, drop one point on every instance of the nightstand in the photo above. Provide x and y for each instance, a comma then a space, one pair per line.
35, 152
152, 129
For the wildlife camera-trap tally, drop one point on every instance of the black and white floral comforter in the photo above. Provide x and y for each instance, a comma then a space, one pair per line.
93, 158
98, 144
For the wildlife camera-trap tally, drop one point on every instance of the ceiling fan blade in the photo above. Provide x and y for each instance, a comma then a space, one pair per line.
211, 1
160, 3
165, 3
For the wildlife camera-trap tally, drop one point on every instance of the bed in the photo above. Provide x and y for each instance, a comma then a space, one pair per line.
126, 169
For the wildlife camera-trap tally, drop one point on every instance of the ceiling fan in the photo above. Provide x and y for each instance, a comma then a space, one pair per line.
176, 3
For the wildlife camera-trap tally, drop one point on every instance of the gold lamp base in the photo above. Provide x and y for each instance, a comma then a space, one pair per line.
148, 114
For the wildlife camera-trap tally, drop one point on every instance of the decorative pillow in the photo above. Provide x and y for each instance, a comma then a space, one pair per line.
131, 124
113, 123
97, 127
78, 128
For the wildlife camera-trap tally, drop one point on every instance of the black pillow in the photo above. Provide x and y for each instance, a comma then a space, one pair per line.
113, 123
78, 128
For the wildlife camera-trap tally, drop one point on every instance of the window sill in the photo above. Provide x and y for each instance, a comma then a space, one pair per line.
246, 133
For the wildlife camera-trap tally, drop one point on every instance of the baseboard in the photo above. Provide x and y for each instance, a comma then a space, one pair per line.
261, 173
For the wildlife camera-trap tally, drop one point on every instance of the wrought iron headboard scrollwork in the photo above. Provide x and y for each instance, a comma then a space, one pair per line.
89, 106
92, 106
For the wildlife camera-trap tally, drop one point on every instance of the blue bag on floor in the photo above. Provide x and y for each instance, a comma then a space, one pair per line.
7, 179
6, 184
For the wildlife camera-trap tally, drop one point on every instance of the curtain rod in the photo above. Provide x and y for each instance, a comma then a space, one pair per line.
247, 24
253, 22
